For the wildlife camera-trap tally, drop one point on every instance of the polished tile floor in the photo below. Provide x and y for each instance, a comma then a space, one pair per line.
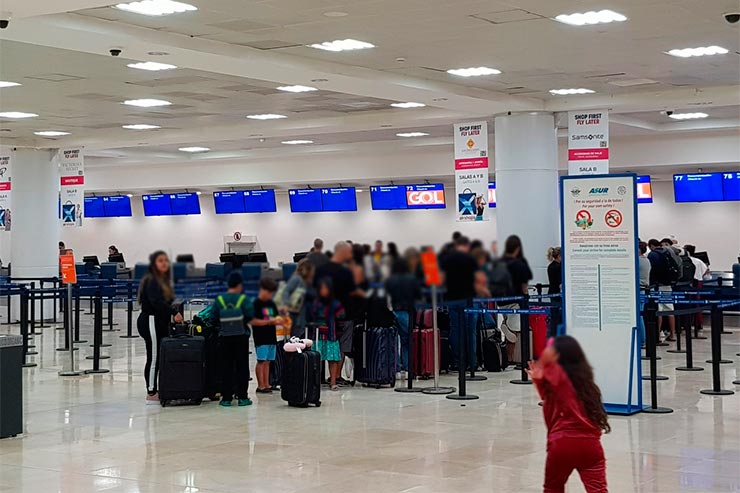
95, 434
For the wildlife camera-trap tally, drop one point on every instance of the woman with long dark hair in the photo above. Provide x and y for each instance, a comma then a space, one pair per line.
574, 415
157, 312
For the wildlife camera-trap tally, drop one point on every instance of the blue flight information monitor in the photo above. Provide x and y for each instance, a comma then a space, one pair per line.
700, 187
117, 206
644, 190
427, 196
388, 197
305, 200
156, 205
259, 201
184, 204
492, 195
731, 185
229, 202
339, 199
94, 207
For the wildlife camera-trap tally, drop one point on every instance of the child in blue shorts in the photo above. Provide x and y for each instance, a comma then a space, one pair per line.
264, 332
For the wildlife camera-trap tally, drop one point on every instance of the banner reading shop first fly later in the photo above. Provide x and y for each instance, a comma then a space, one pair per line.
72, 186
588, 142
5, 187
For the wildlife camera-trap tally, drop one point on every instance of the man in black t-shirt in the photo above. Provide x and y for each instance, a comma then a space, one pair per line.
459, 268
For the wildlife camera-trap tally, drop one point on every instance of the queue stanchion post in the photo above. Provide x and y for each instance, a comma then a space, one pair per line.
462, 364
524, 343
67, 323
472, 377
436, 389
23, 319
689, 346
55, 282
411, 360
77, 310
32, 319
651, 336
129, 312
30, 346
717, 323
97, 336
679, 328
42, 322
68, 334
59, 304
654, 354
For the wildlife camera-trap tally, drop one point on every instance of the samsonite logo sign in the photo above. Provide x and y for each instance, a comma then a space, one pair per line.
425, 197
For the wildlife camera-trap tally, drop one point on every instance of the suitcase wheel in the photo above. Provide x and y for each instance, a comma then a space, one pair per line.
318, 404
163, 403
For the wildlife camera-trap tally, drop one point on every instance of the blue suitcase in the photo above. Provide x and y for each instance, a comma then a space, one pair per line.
378, 353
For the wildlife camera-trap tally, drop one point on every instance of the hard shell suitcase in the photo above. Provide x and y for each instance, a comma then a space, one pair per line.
377, 363
181, 369
495, 358
276, 366
538, 325
301, 379
426, 369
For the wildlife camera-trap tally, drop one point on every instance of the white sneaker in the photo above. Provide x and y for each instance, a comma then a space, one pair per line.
508, 334
152, 400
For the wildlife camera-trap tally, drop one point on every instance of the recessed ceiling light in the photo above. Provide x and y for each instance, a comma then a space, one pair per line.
141, 126
408, 105
296, 142
266, 116
591, 17
51, 133
151, 66
156, 7
687, 116
194, 149
147, 103
632, 82
335, 14
700, 51
473, 71
568, 92
412, 134
17, 114
4, 83
157, 53
198, 192
297, 88
342, 45
319, 80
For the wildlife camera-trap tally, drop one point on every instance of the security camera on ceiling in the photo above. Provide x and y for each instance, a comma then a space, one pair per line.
5, 19
732, 17
115, 51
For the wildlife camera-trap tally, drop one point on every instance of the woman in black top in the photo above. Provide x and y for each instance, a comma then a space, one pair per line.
554, 274
156, 297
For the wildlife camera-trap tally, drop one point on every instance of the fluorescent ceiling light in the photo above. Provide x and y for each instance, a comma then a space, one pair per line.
156, 7
198, 193
141, 126
129, 195
51, 133
473, 71
194, 149
147, 103
4, 83
296, 142
688, 116
412, 134
297, 88
700, 51
17, 114
591, 17
567, 92
342, 45
408, 105
266, 116
151, 66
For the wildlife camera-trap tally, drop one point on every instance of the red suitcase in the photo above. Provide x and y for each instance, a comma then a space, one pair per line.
538, 325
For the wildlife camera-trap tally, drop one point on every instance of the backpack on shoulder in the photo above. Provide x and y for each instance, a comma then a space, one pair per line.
674, 266
231, 317
499, 279
688, 269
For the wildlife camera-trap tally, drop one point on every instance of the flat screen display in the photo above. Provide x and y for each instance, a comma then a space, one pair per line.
156, 205
259, 201
339, 199
117, 206
388, 197
701, 187
492, 195
644, 190
731, 185
228, 202
94, 207
430, 196
184, 204
305, 200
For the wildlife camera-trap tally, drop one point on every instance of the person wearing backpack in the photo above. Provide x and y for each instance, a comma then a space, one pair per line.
664, 271
234, 311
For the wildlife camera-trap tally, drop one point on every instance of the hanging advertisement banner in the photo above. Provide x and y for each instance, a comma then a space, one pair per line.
5, 187
72, 181
471, 171
588, 142
601, 282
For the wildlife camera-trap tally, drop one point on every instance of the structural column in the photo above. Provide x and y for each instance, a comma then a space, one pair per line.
35, 227
526, 163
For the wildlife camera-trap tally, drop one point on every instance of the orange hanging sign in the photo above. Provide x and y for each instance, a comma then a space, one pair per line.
67, 265
431, 268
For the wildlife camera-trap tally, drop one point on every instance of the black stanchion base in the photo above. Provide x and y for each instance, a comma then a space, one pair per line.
466, 397
647, 358
521, 382
476, 378
663, 344
67, 349
659, 377
31, 346
736, 382
727, 332
657, 410
716, 392
69, 373
102, 356
89, 372
721, 362
105, 344
406, 390
29, 365
128, 337
676, 351
438, 390
111, 330
59, 328
32, 353
82, 341
689, 368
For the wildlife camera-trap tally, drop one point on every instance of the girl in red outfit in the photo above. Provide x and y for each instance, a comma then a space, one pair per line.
574, 416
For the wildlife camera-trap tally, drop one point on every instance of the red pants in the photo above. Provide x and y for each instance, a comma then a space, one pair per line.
582, 454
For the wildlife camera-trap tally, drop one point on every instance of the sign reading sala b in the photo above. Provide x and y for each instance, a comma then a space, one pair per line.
72, 186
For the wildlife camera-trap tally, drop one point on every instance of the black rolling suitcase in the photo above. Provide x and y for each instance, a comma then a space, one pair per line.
276, 366
301, 379
376, 365
181, 370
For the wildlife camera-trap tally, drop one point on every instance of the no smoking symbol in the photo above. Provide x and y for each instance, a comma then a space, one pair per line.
613, 218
